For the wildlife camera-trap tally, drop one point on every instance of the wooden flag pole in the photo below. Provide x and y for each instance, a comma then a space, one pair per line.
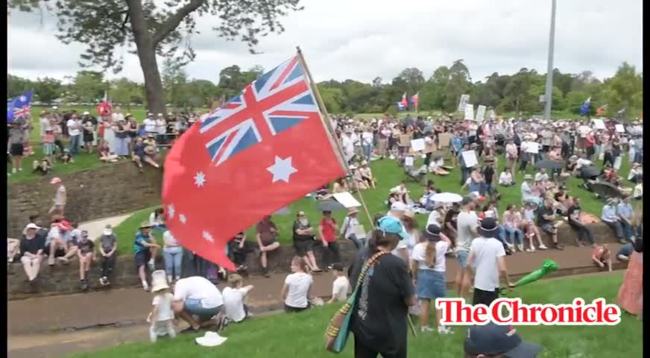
328, 125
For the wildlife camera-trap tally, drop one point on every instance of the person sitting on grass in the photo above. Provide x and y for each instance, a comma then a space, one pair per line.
197, 301
234, 298
437, 167
341, 284
601, 256
104, 152
86, 256
267, 241
505, 179
144, 153
296, 291
366, 174
161, 317
43, 166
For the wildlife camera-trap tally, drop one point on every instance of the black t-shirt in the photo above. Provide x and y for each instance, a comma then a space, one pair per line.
544, 211
488, 173
32, 245
379, 317
574, 210
296, 237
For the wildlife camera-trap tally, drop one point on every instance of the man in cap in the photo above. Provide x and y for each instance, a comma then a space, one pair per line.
487, 255
611, 218
348, 143
32, 247
107, 248
144, 248
492, 340
466, 230
392, 225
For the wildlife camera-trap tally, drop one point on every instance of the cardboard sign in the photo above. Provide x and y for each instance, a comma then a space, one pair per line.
469, 157
417, 144
492, 115
346, 199
469, 112
530, 147
620, 128
464, 99
409, 161
480, 113
404, 140
598, 123
444, 140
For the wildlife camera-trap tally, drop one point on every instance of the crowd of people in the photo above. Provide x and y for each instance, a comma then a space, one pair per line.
63, 135
408, 263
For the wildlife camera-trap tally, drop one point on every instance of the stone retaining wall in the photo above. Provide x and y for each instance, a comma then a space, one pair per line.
65, 279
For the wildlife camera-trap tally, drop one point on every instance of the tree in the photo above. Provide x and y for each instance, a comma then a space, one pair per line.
458, 83
17, 85
88, 86
126, 92
624, 90
174, 80
149, 28
413, 78
47, 89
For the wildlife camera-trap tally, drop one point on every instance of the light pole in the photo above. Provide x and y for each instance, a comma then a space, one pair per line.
549, 73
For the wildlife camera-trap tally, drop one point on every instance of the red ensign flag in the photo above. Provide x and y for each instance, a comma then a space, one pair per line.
259, 152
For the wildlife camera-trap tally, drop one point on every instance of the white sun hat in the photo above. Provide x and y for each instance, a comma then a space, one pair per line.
210, 339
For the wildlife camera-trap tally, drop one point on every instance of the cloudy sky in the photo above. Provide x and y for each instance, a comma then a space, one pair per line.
363, 39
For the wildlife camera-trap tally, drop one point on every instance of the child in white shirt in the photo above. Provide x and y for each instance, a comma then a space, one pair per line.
161, 317
234, 297
340, 286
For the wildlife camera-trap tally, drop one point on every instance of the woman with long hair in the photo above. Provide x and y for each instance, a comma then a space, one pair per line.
428, 265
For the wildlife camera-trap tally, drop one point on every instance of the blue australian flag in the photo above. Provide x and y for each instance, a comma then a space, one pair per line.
584, 109
19, 107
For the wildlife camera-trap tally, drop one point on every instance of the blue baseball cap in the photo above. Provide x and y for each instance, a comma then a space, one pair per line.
392, 225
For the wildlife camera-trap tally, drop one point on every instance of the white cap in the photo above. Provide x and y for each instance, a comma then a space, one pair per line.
210, 339
31, 226
86, 113
398, 206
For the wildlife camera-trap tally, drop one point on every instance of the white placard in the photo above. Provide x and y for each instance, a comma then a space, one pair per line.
347, 200
598, 123
620, 128
464, 99
409, 161
469, 157
367, 136
480, 113
469, 112
530, 147
417, 144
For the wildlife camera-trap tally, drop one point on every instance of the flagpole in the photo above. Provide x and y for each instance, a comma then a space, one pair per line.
328, 126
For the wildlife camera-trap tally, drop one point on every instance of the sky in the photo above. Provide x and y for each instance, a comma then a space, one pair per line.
364, 39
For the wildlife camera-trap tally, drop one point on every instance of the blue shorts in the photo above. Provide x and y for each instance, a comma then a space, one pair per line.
430, 285
193, 306
461, 257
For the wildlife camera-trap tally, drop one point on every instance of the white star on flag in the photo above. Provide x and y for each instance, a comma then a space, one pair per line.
282, 169
182, 218
23, 98
170, 211
207, 236
199, 179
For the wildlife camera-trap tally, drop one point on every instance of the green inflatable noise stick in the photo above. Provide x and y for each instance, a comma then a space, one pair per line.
547, 267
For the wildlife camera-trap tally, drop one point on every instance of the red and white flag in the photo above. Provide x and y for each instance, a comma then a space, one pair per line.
259, 152
104, 108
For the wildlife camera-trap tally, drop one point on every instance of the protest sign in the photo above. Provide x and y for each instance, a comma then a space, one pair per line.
347, 200
469, 157
620, 128
417, 144
409, 161
480, 113
469, 112
598, 123
530, 147
464, 99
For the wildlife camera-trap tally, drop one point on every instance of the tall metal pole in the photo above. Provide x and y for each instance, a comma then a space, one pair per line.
549, 73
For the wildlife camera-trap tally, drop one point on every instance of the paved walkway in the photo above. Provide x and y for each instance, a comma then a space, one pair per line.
96, 227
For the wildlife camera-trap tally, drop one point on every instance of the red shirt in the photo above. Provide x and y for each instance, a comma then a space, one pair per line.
328, 229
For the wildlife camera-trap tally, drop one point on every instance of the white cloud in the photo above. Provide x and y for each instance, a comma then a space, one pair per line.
362, 39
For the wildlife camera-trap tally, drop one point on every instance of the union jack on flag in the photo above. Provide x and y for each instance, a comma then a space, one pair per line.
276, 102
19, 107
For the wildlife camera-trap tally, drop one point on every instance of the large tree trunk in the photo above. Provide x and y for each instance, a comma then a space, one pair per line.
147, 55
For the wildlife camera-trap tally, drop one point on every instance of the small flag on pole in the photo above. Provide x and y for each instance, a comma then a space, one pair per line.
584, 109
415, 101
19, 107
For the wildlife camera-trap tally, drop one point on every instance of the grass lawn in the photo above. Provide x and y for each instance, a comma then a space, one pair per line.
389, 174
301, 334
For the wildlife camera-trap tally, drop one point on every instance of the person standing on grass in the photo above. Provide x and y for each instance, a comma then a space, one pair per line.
32, 248
267, 241
379, 319
143, 246
16, 146
74, 132
88, 124
486, 260
466, 230
303, 240
428, 266
107, 249
86, 255
327, 232
296, 291
60, 198
161, 316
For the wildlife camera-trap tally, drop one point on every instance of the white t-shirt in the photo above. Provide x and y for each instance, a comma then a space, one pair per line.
340, 288
198, 288
164, 304
434, 218
505, 178
464, 224
486, 252
419, 255
298, 284
73, 127
161, 126
169, 239
233, 302
45, 125
149, 125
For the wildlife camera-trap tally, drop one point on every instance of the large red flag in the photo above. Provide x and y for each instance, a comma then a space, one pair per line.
104, 108
252, 156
